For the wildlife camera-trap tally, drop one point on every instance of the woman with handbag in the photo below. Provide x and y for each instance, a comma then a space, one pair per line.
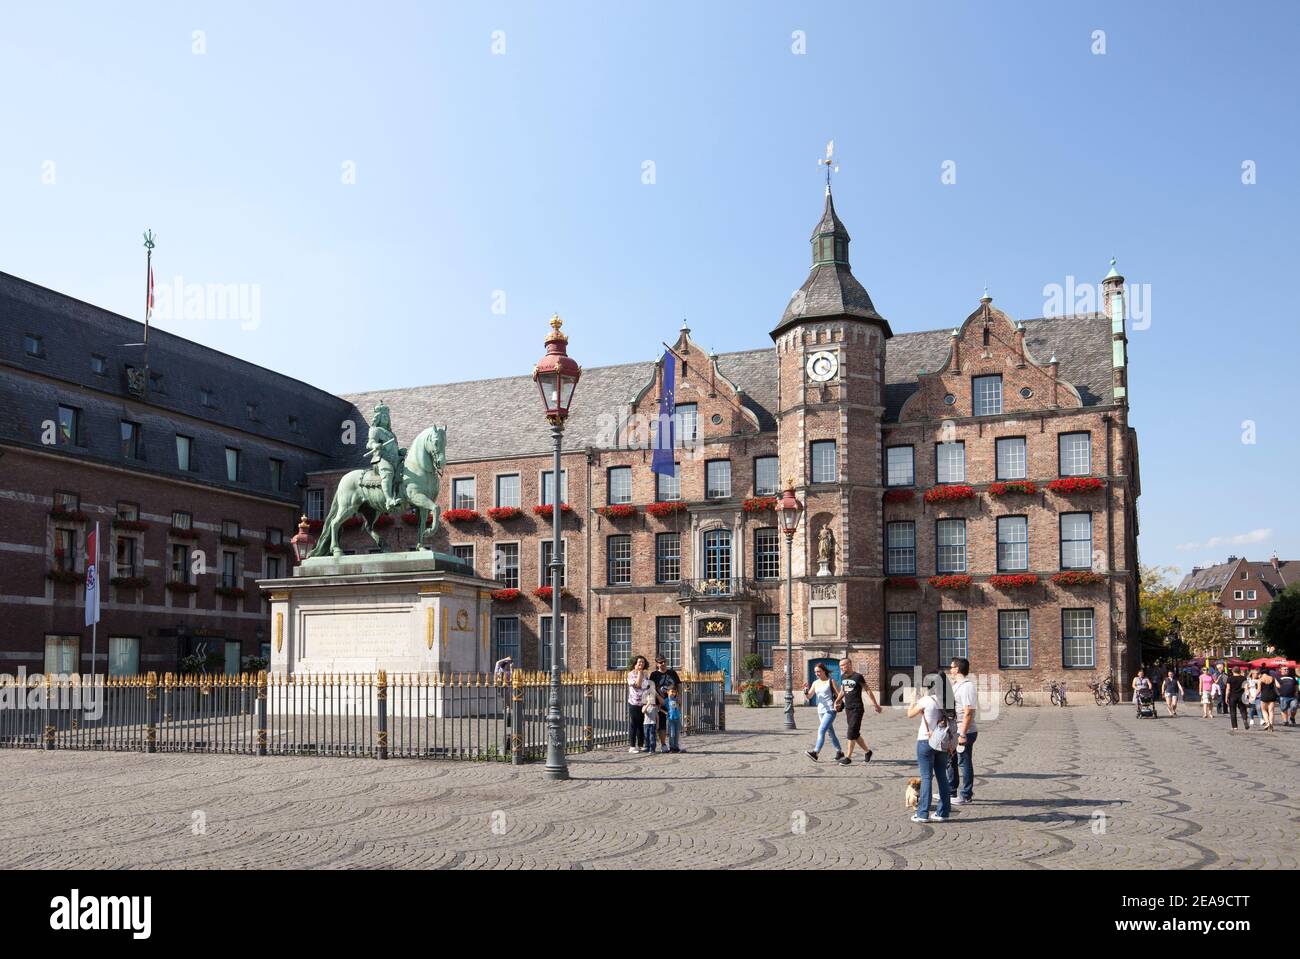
934, 742
823, 689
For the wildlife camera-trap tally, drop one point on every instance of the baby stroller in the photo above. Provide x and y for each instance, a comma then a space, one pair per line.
1145, 700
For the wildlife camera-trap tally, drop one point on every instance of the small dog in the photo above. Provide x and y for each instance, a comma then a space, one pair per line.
913, 794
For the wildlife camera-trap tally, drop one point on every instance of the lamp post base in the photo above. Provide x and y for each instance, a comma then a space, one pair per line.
789, 711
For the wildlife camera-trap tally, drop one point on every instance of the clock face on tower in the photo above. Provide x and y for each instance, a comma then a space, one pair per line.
822, 366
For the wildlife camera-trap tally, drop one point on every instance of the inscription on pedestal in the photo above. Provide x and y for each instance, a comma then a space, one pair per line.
369, 634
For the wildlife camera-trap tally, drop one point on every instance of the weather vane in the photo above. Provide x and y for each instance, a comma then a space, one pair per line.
148, 239
829, 163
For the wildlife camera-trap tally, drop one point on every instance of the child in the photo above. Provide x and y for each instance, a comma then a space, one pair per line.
674, 707
651, 723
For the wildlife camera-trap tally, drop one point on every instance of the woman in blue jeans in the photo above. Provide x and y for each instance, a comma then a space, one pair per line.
823, 689
933, 764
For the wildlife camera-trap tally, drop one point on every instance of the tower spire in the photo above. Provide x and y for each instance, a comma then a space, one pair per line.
830, 164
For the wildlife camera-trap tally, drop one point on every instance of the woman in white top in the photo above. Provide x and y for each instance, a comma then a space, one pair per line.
933, 764
823, 689
639, 692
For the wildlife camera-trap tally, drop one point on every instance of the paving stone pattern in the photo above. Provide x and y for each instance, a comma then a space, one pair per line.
1174, 793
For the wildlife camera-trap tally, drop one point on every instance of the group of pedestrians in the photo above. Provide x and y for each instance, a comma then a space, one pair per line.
1256, 697
832, 700
654, 707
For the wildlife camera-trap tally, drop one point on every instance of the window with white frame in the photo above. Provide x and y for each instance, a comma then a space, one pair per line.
505, 563
315, 504
618, 642
1240, 632
179, 571
767, 634
548, 487
900, 548
686, 427
62, 655
182, 519
987, 395
767, 478
1013, 544
620, 484
462, 493
717, 479
952, 635
1252, 614
1238, 594
902, 639
950, 462
544, 634
669, 487
1250, 594
123, 656
232, 464
1011, 464
824, 464
618, 554
505, 638
668, 557
464, 553
1238, 614
900, 466
1078, 645
544, 572
1013, 638
1075, 451
508, 490
767, 553
1076, 541
950, 546
668, 640
184, 453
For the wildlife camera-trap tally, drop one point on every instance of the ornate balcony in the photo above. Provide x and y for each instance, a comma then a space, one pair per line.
712, 590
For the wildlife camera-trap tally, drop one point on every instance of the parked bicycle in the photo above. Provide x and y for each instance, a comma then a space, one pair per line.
1104, 692
1058, 693
1014, 695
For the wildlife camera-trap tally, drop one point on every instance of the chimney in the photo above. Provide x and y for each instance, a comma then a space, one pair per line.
1273, 559
1020, 343
956, 352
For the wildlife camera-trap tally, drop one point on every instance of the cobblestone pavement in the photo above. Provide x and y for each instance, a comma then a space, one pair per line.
1083, 787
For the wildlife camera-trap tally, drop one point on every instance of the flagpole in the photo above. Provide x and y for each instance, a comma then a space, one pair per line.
148, 303
94, 626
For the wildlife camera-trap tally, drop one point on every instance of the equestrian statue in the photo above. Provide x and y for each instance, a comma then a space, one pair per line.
397, 479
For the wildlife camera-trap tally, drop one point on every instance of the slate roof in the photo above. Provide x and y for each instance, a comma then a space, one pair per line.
1215, 578
73, 331
499, 418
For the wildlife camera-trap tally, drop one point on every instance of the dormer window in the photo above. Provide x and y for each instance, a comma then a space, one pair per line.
98, 365
33, 345
205, 397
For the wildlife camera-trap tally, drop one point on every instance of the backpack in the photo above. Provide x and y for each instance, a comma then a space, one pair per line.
941, 738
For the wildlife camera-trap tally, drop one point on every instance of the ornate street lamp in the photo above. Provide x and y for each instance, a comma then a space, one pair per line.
556, 375
789, 509
303, 541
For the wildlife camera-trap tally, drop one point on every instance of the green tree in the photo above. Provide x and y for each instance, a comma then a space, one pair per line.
1161, 603
1205, 630
1281, 626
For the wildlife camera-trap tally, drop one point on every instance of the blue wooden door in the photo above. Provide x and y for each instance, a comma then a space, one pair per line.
833, 665
716, 658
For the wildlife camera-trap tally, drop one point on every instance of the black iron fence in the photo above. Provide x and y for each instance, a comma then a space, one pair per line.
374, 715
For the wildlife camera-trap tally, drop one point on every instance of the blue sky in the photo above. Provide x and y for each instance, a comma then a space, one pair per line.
515, 176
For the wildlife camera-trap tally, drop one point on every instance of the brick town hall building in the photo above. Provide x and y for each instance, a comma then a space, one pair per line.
980, 482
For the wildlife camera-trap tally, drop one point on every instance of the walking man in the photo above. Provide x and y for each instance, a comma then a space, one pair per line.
852, 686
961, 764
1235, 690
1288, 693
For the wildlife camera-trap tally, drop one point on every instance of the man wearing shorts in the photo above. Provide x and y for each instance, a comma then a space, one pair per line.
852, 686
664, 678
1288, 696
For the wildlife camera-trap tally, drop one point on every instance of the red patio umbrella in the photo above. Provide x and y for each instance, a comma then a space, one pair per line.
1272, 662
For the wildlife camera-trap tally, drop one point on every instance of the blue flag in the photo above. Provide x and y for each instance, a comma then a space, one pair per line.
662, 461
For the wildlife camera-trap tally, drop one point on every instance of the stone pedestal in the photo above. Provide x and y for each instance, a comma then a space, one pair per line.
405, 613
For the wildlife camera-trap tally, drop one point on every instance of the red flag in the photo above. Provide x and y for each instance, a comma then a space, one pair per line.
148, 306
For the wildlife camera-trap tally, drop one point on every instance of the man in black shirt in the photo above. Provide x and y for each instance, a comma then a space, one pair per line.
1288, 689
1235, 684
664, 678
852, 686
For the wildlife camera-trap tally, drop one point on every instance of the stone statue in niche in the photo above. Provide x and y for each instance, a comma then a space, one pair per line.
825, 550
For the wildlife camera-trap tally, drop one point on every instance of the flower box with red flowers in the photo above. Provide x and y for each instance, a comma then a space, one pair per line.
383, 520
954, 581
1013, 488
503, 513
1078, 577
900, 495
233, 540
461, 515
133, 525
352, 522
71, 515
130, 582
314, 526
663, 509
1013, 580
759, 504
902, 582
1076, 484
231, 592
544, 592
544, 509
508, 595
617, 511
949, 494
66, 576
176, 586
176, 532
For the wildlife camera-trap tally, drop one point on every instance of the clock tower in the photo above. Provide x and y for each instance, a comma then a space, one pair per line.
830, 347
